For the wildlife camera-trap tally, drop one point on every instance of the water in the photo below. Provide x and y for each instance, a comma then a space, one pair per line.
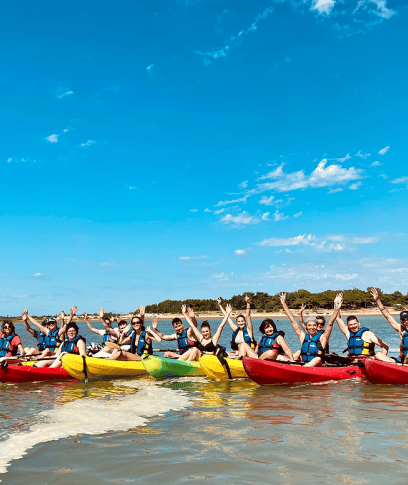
202, 431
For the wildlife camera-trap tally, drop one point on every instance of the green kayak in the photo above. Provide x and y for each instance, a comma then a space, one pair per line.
159, 367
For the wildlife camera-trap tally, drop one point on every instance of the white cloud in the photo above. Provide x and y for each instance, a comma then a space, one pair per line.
149, 69
37, 275
375, 164
240, 252
323, 6
279, 216
243, 185
207, 210
192, 258
9, 160
382, 11
265, 216
52, 138
226, 202
220, 276
401, 180
132, 188
342, 160
333, 191
88, 143
362, 155
67, 93
355, 186
219, 211
193, 210
241, 219
298, 214
322, 176
267, 200
383, 151
234, 40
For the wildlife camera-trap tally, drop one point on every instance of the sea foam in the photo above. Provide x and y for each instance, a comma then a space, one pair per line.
93, 417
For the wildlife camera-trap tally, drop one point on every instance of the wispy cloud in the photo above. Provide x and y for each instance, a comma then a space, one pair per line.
323, 6
298, 214
279, 216
243, 185
362, 155
227, 202
191, 258
244, 219
234, 40
193, 210
88, 143
240, 252
149, 69
400, 180
375, 164
66, 93
383, 151
355, 186
52, 138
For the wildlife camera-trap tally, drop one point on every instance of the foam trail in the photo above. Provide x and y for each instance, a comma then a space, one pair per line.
93, 417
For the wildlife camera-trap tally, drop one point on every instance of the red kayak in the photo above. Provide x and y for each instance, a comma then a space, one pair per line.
24, 373
266, 372
378, 372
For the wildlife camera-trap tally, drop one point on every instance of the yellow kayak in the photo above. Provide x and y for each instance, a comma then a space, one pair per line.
213, 368
101, 368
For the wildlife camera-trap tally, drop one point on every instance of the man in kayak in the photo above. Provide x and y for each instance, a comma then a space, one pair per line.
186, 340
362, 342
401, 328
313, 343
48, 335
10, 342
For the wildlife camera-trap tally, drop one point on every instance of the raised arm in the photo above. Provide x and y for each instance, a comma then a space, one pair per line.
302, 308
91, 328
300, 334
222, 324
40, 327
391, 320
167, 338
329, 327
190, 322
26, 325
142, 313
191, 314
230, 322
285, 347
72, 312
154, 335
248, 318
342, 325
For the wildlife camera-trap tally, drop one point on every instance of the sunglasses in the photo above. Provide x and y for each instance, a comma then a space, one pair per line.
7, 326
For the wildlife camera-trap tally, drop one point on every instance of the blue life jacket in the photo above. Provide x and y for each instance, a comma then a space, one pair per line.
404, 345
183, 343
247, 338
311, 347
357, 346
106, 337
51, 340
142, 346
70, 345
5, 345
40, 336
269, 343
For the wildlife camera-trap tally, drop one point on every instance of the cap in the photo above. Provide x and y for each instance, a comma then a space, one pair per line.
404, 316
51, 320
311, 319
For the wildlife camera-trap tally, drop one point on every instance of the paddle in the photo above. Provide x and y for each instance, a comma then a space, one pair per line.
85, 370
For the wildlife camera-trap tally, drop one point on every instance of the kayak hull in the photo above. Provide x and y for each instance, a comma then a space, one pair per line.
214, 369
378, 372
265, 372
25, 373
101, 368
160, 367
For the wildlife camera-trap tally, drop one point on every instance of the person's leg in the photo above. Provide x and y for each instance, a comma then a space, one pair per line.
244, 350
269, 355
315, 362
384, 358
171, 355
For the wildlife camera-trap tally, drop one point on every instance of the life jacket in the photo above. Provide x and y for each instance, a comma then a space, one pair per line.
327, 348
142, 346
404, 345
247, 338
5, 343
357, 346
269, 343
40, 336
70, 347
311, 347
183, 343
51, 341
107, 337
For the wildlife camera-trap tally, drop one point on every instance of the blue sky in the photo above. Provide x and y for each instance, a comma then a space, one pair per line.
192, 149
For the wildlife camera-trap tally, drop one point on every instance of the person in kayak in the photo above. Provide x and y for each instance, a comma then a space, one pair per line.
312, 343
140, 342
401, 328
105, 334
320, 322
272, 345
186, 340
10, 342
73, 344
206, 343
362, 342
242, 330
48, 335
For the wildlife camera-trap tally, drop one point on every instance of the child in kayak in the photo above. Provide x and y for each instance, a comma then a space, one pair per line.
242, 331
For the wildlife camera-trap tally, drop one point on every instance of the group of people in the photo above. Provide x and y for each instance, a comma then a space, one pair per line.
131, 341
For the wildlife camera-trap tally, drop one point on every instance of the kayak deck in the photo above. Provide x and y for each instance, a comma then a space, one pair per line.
214, 369
25, 373
378, 372
265, 372
160, 367
97, 368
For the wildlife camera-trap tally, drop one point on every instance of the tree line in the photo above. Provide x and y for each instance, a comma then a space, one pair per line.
263, 302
